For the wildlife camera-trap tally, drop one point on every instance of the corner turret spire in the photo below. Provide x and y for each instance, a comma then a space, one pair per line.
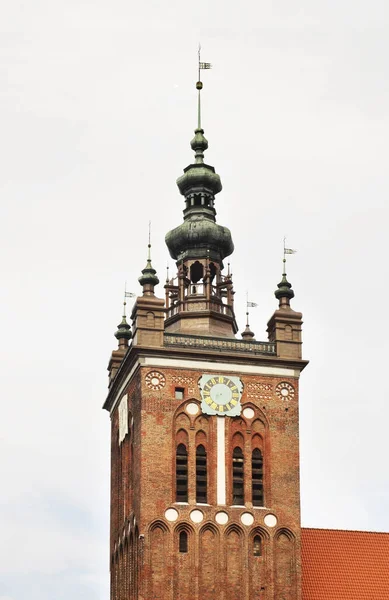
284, 293
123, 333
149, 278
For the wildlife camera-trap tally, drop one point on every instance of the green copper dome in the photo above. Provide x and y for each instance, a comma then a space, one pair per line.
284, 289
124, 330
199, 236
199, 177
149, 274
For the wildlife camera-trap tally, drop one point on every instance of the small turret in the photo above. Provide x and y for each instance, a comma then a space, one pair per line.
148, 312
284, 327
123, 335
148, 279
284, 292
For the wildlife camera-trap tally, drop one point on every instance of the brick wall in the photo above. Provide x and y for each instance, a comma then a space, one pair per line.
220, 563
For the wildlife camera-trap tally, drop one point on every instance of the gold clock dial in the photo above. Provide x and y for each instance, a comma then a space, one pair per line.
221, 394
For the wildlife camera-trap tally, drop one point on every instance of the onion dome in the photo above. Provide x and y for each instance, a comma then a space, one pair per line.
199, 236
284, 288
149, 274
124, 330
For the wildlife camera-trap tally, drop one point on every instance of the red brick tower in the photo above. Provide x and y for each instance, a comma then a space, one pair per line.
205, 501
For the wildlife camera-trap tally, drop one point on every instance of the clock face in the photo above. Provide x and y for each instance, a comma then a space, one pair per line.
220, 395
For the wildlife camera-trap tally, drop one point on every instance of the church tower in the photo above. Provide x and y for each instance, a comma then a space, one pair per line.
205, 500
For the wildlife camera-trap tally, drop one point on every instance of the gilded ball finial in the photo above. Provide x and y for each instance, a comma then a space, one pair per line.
199, 85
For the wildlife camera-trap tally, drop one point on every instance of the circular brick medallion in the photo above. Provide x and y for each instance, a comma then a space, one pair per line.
247, 519
171, 514
155, 380
221, 518
196, 516
285, 391
270, 520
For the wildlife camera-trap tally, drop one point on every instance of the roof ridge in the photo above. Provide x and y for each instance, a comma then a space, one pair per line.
345, 530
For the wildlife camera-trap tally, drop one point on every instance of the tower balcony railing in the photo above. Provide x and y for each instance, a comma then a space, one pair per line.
199, 303
218, 344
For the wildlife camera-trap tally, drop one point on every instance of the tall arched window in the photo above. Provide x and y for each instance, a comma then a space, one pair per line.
183, 542
201, 474
181, 473
237, 476
257, 477
257, 545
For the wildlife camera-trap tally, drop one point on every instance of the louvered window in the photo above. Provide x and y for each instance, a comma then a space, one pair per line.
257, 477
201, 474
181, 473
237, 477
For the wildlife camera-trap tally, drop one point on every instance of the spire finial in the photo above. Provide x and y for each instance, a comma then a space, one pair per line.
149, 245
199, 143
123, 333
284, 293
149, 278
248, 334
199, 87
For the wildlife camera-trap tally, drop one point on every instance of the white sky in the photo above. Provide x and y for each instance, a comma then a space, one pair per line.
97, 108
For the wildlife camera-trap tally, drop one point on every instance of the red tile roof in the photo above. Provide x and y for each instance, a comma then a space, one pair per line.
345, 565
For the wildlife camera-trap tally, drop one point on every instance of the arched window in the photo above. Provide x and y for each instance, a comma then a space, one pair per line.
257, 477
237, 476
196, 271
257, 546
181, 473
201, 474
212, 270
183, 542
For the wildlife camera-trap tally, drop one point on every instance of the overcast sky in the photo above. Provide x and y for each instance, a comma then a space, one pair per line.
97, 108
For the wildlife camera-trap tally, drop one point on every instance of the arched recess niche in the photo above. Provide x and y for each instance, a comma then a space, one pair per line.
209, 562
184, 562
284, 548
158, 562
234, 548
258, 563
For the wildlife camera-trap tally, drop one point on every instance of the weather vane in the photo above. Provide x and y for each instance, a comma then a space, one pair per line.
249, 305
126, 295
199, 85
287, 251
